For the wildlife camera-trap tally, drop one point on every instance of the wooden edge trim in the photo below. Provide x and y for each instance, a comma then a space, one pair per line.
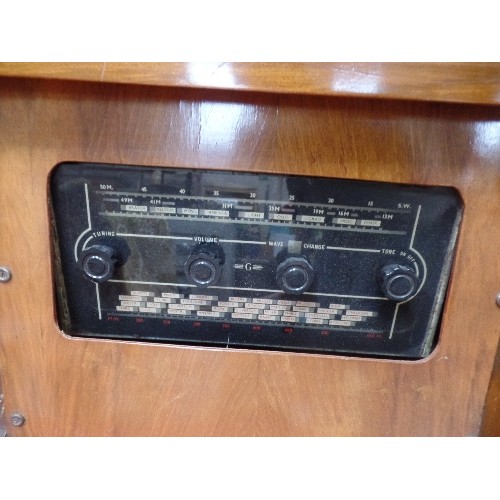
474, 83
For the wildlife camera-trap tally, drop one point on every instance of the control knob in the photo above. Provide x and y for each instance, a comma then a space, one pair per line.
398, 282
204, 266
295, 275
98, 262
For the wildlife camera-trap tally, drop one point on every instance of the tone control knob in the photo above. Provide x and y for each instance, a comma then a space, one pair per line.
98, 262
295, 275
204, 266
398, 282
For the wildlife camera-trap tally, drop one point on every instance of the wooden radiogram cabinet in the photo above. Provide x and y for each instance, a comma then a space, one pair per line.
416, 124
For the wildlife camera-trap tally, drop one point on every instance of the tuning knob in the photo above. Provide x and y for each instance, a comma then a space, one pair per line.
295, 275
98, 262
398, 282
204, 266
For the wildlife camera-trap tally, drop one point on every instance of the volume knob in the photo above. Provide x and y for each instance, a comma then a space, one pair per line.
295, 275
398, 282
204, 267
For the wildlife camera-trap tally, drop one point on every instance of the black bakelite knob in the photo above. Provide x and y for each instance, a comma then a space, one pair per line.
98, 262
204, 267
295, 275
398, 283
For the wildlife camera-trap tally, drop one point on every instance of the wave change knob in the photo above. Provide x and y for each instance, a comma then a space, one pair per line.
295, 275
398, 282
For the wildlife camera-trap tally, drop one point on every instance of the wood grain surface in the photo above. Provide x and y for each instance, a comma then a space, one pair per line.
491, 416
447, 82
81, 387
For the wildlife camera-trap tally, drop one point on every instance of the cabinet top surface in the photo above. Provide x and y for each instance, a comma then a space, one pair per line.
475, 83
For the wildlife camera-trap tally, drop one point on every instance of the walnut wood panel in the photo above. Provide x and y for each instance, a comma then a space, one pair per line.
68, 386
491, 417
450, 82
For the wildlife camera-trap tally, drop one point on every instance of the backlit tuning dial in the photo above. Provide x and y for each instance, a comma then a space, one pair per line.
295, 275
398, 283
204, 267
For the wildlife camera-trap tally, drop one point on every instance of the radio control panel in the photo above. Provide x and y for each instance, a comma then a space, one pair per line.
249, 260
